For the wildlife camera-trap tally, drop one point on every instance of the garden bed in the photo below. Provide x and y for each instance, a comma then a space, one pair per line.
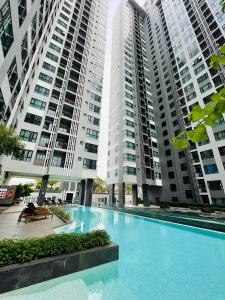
28, 262
61, 214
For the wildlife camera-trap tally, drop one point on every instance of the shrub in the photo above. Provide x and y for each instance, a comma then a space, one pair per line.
61, 213
21, 251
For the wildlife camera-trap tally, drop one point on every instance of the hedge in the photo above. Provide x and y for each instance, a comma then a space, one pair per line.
61, 213
21, 251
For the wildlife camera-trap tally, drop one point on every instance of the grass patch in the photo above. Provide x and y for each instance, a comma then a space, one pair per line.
61, 213
22, 251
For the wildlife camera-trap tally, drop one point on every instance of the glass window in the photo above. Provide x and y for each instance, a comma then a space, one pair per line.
92, 133
54, 47
45, 78
129, 113
33, 28
33, 119
94, 108
130, 134
129, 123
12, 74
157, 175
207, 154
6, 30
199, 69
129, 104
206, 87
41, 90
89, 164
60, 31
52, 56
24, 49
211, 169
129, 171
93, 120
62, 23
91, 148
96, 97
57, 39
27, 155
22, 10
64, 17
49, 67
129, 157
203, 78
215, 185
57, 161
37, 104
129, 145
28, 136
220, 135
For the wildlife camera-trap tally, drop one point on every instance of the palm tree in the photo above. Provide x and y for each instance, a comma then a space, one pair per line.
99, 185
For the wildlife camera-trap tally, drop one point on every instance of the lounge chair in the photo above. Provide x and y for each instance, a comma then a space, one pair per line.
33, 207
47, 203
54, 203
30, 214
61, 202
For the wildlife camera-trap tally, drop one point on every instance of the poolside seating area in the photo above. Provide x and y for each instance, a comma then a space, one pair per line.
59, 202
32, 213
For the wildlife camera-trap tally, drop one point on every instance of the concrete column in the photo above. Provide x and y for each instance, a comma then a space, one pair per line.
88, 192
134, 194
75, 192
43, 188
145, 190
121, 187
111, 194
82, 192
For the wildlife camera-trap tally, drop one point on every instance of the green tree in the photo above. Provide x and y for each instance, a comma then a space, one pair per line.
38, 184
222, 2
52, 183
209, 115
99, 185
10, 142
23, 190
128, 189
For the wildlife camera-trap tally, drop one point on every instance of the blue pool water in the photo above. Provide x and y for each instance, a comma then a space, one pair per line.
158, 261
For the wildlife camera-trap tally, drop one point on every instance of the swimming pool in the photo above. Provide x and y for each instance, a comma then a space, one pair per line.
158, 261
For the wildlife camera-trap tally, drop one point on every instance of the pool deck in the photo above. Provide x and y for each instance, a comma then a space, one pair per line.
213, 221
10, 228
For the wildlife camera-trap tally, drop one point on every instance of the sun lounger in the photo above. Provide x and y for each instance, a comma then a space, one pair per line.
30, 215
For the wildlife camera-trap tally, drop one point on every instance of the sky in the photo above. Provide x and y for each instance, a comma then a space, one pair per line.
103, 138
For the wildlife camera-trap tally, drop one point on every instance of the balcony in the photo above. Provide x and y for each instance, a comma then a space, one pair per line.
64, 129
51, 112
67, 114
61, 145
70, 101
43, 144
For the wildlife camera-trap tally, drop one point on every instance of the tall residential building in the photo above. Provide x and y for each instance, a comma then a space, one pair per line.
133, 156
180, 38
51, 74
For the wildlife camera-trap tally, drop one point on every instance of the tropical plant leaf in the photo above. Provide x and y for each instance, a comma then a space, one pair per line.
222, 49
209, 122
214, 62
198, 134
196, 114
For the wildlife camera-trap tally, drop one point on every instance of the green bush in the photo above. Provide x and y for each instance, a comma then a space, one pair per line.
21, 251
61, 213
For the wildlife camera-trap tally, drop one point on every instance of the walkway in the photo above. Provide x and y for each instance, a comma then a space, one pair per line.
11, 229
